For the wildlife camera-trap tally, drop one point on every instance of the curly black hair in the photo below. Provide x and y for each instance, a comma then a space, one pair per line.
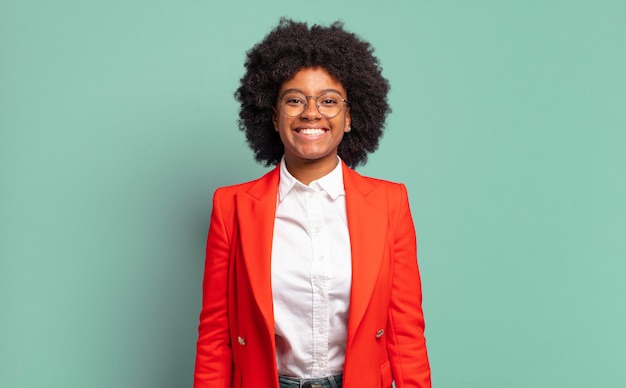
291, 46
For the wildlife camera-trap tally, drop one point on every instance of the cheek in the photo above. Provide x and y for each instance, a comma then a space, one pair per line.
282, 129
283, 124
343, 122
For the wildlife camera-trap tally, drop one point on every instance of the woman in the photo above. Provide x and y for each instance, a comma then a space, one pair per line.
311, 276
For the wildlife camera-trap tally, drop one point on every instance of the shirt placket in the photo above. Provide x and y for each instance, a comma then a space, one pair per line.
319, 283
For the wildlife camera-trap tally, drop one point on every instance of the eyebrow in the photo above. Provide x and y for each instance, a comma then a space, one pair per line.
301, 92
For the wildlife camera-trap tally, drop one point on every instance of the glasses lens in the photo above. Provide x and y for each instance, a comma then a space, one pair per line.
328, 104
293, 104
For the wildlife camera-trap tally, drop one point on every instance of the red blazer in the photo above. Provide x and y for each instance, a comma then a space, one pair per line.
385, 325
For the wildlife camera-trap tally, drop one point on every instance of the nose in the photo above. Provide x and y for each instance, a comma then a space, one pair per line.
311, 111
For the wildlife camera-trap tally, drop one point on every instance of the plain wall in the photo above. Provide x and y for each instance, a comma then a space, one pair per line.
117, 122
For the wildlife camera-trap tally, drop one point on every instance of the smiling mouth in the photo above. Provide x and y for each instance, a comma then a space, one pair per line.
311, 131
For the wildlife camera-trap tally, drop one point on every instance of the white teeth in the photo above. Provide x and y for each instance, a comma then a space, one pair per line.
312, 131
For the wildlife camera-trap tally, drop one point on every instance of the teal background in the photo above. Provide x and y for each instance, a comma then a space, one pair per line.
117, 122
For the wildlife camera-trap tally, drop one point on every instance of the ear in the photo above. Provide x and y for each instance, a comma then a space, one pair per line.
275, 118
347, 128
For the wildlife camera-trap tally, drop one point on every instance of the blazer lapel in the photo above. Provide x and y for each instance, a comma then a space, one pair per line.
256, 209
367, 215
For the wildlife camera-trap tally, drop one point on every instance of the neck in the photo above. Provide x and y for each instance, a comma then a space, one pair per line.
307, 171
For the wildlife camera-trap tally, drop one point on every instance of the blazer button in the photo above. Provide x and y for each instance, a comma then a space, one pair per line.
380, 333
241, 341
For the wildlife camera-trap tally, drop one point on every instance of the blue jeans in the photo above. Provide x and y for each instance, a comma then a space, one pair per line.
324, 382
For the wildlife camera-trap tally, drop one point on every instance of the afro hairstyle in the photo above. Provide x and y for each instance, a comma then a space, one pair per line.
291, 46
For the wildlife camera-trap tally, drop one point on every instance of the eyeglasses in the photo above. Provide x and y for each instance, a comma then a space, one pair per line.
328, 104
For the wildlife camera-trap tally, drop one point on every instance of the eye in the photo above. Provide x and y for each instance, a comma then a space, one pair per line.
294, 99
329, 100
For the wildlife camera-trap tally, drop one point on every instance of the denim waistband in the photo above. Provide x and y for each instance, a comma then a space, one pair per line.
322, 382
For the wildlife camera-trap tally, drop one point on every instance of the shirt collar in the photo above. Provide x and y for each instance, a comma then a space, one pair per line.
331, 183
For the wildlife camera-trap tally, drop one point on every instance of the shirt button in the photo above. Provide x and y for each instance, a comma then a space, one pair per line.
316, 229
321, 330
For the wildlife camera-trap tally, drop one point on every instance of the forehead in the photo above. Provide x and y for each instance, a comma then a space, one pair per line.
312, 80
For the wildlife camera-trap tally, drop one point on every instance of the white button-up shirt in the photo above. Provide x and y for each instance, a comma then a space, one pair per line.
311, 275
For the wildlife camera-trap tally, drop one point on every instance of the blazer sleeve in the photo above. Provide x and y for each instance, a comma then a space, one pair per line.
214, 364
406, 344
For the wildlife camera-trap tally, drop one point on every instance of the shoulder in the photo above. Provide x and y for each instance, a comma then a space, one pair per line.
377, 193
233, 189
382, 182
